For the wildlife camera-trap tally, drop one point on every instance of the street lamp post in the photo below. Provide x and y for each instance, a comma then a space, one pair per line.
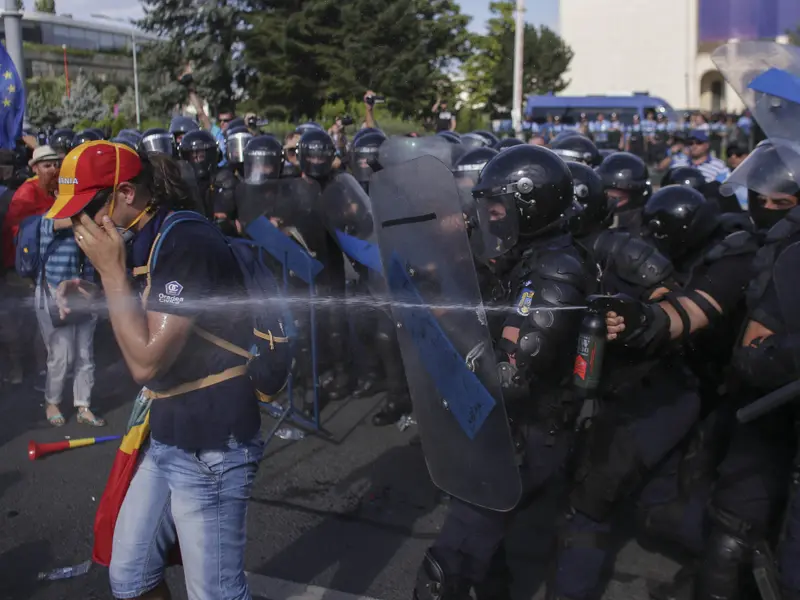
135, 65
519, 38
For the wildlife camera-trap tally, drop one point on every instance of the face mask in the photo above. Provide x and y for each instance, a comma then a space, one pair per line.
765, 218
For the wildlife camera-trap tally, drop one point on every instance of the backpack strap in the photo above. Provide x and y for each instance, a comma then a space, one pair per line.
199, 384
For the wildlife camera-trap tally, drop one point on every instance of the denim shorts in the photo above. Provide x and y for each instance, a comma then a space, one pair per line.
197, 498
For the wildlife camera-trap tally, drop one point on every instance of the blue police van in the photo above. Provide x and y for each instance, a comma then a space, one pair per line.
570, 108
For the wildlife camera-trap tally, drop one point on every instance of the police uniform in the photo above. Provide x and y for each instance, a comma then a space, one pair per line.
635, 136
599, 131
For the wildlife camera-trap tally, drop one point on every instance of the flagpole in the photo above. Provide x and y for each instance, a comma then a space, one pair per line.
12, 21
66, 68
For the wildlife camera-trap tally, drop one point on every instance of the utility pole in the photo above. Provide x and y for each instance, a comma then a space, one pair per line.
12, 21
519, 40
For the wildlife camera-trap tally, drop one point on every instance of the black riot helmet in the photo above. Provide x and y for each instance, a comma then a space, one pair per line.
473, 140
679, 219
364, 155
577, 148
688, 176
84, 136
235, 123
263, 159
589, 193
180, 126
235, 143
199, 149
450, 136
129, 137
157, 140
491, 138
468, 167
507, 143
626, 172
365, 131
316, 153
61, 140
523, 190
311, 125
99, 132
563, 135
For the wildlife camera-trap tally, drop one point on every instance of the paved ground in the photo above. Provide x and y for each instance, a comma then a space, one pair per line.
333, 519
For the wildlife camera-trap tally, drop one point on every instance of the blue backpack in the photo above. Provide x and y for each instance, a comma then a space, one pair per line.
269, 355
28, 260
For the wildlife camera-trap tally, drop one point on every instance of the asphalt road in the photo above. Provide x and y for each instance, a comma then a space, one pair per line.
332, 519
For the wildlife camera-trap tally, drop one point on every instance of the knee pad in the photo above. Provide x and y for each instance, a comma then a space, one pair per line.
434, 584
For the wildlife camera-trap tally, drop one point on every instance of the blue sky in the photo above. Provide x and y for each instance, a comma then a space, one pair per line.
538, 12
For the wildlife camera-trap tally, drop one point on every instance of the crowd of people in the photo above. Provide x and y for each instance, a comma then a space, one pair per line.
691, 275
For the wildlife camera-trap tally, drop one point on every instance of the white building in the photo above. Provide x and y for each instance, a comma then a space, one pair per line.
662, 47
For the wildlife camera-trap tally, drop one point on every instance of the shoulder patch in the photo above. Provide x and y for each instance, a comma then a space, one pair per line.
525, 301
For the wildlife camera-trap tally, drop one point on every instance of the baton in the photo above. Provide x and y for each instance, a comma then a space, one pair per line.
768, 403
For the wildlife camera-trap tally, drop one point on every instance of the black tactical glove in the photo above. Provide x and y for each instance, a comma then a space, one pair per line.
646, 325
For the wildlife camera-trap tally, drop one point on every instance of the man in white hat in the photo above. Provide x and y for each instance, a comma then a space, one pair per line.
34, 197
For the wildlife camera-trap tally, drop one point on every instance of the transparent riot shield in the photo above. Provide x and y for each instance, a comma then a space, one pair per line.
349, 216
766, 75
443, 334
277, 213
399, 149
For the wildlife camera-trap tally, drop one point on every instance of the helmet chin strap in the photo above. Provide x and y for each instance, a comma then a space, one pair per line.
114, 195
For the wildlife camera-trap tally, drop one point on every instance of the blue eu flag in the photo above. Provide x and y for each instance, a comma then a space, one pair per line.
12, 102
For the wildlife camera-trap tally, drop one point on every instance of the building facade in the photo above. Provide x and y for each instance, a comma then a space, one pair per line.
664, 48
98, 50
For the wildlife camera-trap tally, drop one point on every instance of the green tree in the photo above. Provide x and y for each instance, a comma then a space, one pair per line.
208, 36
45, 6
489, 72
43, 99
83, 104
19, 5
110, 95
308, 52
127, 106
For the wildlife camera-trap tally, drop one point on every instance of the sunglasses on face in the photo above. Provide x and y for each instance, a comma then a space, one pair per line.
225, 120
696, 143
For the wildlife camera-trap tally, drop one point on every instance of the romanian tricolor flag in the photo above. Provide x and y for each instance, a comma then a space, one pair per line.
120, 479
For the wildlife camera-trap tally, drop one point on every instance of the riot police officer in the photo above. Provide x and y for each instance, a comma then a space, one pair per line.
577, 148
315, 154
87, 135
364, 156
129, 137
157, 140
180, 126
235, 142
61, 141
200, 150
627, 184
526, 190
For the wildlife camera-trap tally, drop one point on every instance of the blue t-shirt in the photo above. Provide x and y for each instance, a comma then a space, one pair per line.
197, 276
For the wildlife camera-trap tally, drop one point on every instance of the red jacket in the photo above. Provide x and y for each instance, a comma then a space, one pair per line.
28, 200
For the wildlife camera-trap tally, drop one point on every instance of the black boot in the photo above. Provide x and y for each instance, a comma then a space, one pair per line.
370, 385
337, 384
394, 408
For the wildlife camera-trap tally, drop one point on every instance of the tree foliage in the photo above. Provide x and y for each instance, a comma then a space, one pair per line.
489, 72
45, 6
110, 95
207, 35
42, 100
305, 53
19, 5
83, 103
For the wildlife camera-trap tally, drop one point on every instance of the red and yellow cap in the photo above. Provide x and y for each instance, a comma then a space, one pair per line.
89, 168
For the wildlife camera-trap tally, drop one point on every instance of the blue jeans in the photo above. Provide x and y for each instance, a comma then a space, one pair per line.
197, 498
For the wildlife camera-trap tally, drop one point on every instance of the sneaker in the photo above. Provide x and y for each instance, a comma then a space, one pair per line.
41, 382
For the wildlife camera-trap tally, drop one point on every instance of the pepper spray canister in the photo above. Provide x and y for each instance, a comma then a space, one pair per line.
589, 355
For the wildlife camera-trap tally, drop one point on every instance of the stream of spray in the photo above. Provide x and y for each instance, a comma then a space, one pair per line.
230, 304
